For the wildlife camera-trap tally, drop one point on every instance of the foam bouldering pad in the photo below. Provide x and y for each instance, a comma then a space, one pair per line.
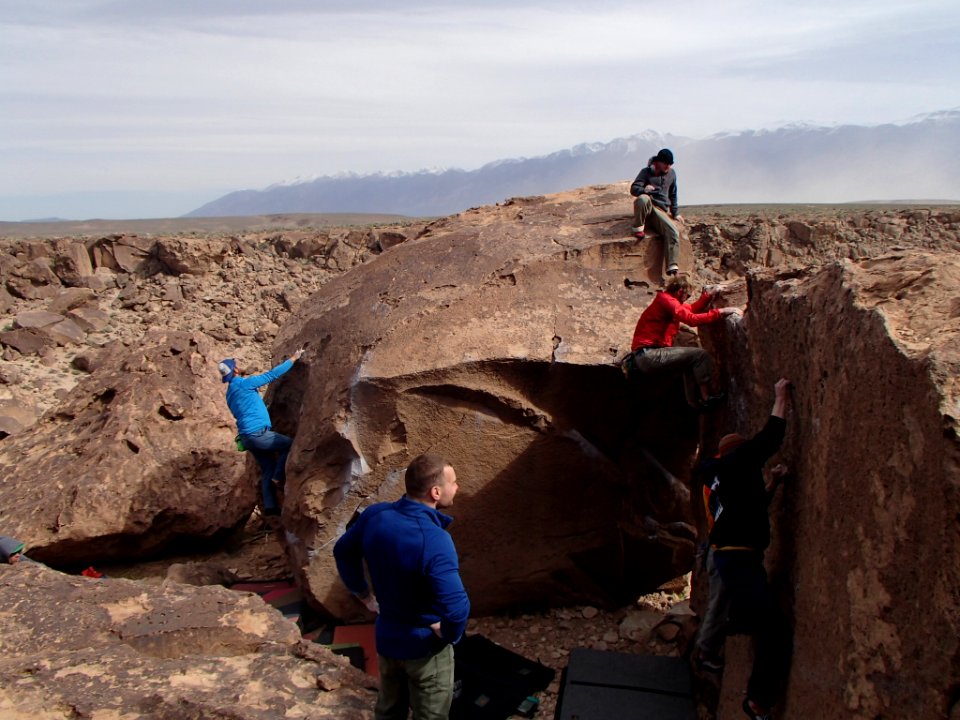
491, 682
601, 685
365, 637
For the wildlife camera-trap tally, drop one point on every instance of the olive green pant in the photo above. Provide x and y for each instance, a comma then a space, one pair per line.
424, 685
645, 213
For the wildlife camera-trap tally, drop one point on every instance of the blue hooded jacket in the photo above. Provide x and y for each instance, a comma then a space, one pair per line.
10, 546
415, 572
245, 402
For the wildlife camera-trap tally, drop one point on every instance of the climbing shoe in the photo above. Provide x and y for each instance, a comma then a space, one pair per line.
712, 402
706, 663
755, 715
673, 269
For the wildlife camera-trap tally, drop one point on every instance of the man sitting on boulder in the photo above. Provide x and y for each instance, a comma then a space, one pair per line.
655, 190
254, 428
423, 607
652, 346
742, 602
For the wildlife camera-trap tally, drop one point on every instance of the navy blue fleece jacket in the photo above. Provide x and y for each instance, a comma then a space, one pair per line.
415, 574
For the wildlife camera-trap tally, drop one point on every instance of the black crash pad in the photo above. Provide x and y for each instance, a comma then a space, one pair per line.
604, 685
491, 682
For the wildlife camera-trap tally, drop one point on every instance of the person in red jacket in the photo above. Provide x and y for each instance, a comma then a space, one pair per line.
652, 346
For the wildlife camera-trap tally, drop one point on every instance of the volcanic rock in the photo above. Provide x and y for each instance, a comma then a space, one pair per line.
492, 340
118, 648
90, 319
16, 414
65, 332
6, 300
71, 262
190, 256
36, 319
25, 342
129, 253
870, 516
201, 573
70, 299
138, 457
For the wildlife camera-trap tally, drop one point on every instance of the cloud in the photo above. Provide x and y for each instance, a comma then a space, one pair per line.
169, 94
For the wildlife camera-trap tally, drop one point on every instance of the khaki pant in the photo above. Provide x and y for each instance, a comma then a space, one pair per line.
424, 685
646, 214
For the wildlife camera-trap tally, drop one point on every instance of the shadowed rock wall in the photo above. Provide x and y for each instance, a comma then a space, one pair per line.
865, 557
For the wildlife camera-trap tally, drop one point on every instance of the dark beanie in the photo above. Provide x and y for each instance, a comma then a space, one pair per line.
665, 156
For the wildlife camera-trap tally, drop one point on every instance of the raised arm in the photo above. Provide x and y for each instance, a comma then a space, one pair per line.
256, 381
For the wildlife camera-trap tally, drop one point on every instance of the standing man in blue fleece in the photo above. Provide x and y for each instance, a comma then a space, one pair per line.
415, 574
655, 190
254, 427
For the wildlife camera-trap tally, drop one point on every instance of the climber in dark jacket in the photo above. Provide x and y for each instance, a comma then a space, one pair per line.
741, 601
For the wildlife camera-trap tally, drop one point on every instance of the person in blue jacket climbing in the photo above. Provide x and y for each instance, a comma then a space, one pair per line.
254, 428
12, 550
422, 604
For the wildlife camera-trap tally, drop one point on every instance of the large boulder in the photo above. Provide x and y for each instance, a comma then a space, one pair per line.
119, 648
492, 340
138, 457
865, 556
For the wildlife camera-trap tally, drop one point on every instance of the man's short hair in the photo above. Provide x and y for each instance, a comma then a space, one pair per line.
424, 472
678, 283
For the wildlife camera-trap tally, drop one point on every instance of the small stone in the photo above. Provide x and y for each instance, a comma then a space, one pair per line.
590, 612
599, 645
668, 632
611, 637
327, 683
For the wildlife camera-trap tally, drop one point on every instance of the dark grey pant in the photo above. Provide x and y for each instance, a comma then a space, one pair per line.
695, 364
712, 631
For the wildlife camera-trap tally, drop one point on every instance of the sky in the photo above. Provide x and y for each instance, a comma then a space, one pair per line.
150, 108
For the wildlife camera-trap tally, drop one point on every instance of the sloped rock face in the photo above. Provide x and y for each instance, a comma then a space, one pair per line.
491, 340
118, 648
865, 554
137, 457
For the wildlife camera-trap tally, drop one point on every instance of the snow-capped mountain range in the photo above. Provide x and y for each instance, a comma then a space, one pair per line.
794, 163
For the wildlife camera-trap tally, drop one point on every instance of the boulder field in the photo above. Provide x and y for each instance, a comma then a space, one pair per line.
136, 459
492, 337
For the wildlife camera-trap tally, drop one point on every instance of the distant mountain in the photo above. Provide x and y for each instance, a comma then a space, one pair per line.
795, 163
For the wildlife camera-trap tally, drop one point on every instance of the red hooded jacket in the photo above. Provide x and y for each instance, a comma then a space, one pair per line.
660, 322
